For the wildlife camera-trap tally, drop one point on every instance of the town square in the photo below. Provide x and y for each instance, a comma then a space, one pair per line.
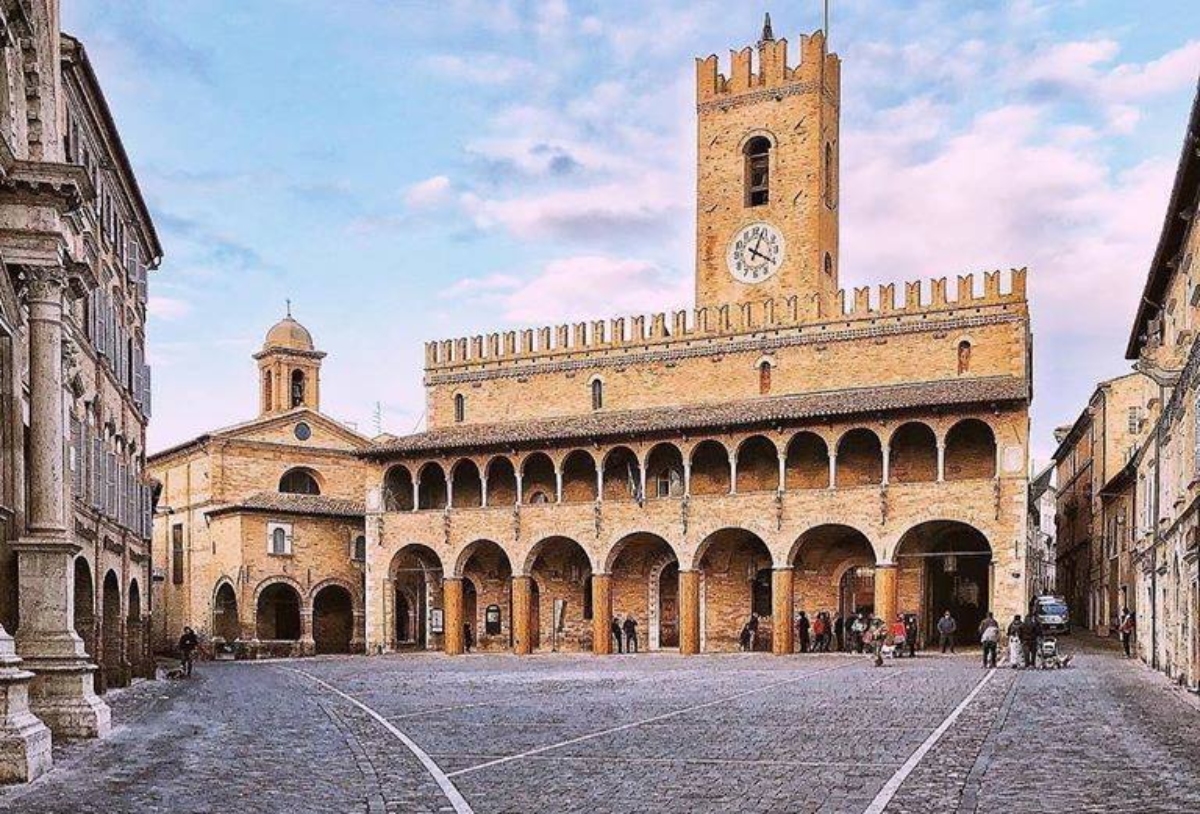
486, 407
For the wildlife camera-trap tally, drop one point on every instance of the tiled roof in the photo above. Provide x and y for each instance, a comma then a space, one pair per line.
297, 504
747, 413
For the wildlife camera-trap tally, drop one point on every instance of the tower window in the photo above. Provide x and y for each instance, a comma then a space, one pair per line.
297, 388
597, 394
267, 390
964, 357
758, 171
829, 196
764, 378
460, 408
828, 264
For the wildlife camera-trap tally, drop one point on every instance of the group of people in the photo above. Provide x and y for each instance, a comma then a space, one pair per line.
853, 633
625, 637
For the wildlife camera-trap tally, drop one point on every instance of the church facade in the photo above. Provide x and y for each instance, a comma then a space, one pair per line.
787, 445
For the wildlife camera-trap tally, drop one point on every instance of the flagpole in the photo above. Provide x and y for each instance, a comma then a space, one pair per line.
826, 25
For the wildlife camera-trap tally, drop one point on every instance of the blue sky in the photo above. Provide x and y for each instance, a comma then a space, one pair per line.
406, 171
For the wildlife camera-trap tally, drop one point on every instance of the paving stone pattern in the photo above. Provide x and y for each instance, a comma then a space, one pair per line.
735, 733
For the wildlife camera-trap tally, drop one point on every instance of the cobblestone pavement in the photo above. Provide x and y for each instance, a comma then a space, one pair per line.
559, 733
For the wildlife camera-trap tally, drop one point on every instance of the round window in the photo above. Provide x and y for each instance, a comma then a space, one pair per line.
303, 431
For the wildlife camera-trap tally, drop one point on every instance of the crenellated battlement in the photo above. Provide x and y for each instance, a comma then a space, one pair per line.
919, 298
773, 69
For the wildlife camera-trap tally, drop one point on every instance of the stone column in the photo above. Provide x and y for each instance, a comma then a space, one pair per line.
522, 613
687, 478
887, 464
452, 619
941, 469
601, 614
733, 463
558, 481
782, 471
308, 645
62, 693
782, 609
886, 591
416, 493
24, 740
832, 470
689, 612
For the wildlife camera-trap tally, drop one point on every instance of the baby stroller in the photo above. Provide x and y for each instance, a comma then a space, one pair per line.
1048, 657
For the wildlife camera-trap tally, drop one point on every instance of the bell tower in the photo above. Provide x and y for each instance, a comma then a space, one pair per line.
289, 369
767, 177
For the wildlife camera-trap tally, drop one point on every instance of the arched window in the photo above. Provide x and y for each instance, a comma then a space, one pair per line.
299, 482
360, 549
539, 497
460, 407
668, 483
964, 357
597, 394
297, 388
829, 191
279, 540
764, 377
828, 264
758, 171
267, 390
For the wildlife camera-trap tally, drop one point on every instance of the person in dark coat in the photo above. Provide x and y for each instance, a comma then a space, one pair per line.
753, 625
616, 632
468, 637
802, 627
839, 631
631, 642
188, 643
1031, 631
910, 634
946, 628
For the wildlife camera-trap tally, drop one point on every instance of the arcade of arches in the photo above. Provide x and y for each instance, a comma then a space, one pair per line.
112, 623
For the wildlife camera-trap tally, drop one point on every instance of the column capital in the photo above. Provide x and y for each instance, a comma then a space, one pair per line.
41, 284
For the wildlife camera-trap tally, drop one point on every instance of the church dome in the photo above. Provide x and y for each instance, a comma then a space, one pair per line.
288, 334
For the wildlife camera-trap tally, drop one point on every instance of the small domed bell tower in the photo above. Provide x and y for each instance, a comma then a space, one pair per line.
289, 368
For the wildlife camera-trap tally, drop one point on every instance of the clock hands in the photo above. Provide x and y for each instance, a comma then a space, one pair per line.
759, 255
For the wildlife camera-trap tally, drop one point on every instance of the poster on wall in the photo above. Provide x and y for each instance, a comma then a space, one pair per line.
436, 622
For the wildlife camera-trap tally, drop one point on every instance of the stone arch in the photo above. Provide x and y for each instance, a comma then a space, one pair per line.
135, 634
539, 481
561, 570
431, 486
757, 465
970, 451
635, 562
579, 477
486, 565
859, 458
945, 565
913, 453
664, 471
111, 635
833, 571
301, 480
622, 474
415, 575
226, 624
84, 599
731, 561
278, 609
663, 618
333, 614
466, 484
807, 462
398, 489
711, 469
501, 481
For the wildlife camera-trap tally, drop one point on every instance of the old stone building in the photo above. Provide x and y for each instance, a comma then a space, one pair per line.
1093, 515
1041, 532
76, 241
1163, 346
786, 445
259, 538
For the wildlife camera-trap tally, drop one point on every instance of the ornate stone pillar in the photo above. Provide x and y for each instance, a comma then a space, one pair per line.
24, 740
689, 612
782, 609
602, 614
62, 693
452, 597
522, 613
886, 591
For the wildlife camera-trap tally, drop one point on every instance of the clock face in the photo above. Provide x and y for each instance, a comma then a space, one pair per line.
755, 253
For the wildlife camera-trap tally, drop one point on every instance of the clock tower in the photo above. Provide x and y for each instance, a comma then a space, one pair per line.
767, 177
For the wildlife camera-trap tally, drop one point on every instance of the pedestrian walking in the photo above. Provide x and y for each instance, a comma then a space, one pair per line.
989, 636
468, 637
744, 637
631, 641
188, 643
1014, 642
616, 632
821, 632
753, 623
877, 635
899, 636
858, 631
839, 632
802, 627
1125, 627
947, 627
910, 634
1031, 631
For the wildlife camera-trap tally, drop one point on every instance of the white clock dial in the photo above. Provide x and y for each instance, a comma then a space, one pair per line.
755, 253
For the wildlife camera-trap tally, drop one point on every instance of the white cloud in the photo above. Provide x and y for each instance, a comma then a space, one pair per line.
1085, 68
428, 194
480, 68
168, 308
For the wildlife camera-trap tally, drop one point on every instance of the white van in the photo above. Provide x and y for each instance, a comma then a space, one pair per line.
1052, 613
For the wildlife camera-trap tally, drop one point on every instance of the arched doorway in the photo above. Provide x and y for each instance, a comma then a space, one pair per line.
834, 573
668, 605
487, 583
85, 605
561, 573
225, 614
278, 613
856, 592
637, 564
333, 620
110, 631
416, 578
945, 565
134, 635
731, 562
